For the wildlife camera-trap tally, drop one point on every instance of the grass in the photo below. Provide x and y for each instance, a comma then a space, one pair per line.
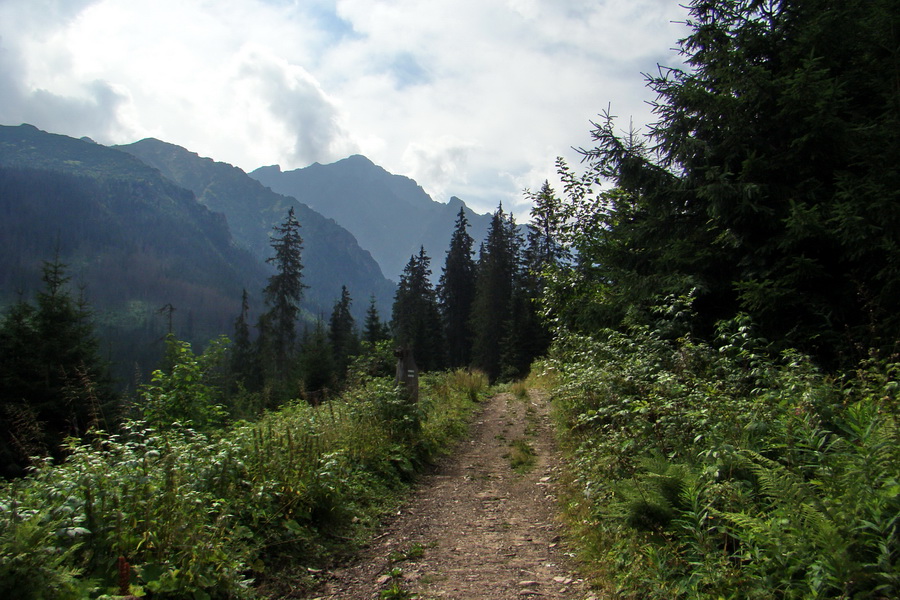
413, 553
522, 456
519, 389
219, 513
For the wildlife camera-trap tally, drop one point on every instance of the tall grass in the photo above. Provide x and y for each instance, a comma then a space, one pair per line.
707, 473
225, 514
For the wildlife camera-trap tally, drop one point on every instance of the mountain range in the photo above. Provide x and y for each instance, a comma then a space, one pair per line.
331, 255
150, 225
135, 243
390, 215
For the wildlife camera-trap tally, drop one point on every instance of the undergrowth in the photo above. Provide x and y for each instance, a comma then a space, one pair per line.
223, 513
702, 473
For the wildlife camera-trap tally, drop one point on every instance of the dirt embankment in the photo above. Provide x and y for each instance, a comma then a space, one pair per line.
477, 528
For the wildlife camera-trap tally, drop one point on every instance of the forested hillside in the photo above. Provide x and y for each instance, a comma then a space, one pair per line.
134, 241
332, 257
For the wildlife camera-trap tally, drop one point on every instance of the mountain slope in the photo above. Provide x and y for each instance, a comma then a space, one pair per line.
134, 239
332, 257
390, 215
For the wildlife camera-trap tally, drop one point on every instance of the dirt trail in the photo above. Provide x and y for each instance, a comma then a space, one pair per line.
476, 528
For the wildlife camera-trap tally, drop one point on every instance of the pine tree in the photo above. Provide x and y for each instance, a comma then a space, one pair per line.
416, 318
244, 366
456, 292
546, 231
525, 334
528, 336
342, 333
282, 295
374, 330
496, 274
22, 434
53, 383
769, 184
316, 364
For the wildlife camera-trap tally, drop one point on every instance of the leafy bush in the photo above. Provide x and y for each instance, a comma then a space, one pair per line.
722, 473
177, 513
187, 392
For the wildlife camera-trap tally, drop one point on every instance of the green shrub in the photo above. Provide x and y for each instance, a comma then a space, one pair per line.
186, 393
707, 473
219, 513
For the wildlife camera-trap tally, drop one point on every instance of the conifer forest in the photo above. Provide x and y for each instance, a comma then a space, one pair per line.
712, 307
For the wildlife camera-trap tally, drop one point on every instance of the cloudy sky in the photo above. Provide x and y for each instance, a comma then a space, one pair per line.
473, 98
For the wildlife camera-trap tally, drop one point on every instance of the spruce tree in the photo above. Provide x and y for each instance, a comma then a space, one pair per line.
496, 274
546, 231
526, 335
316, 364
53, 383
282, 295
374, 330
769, 183
456, 292
416, 318
342, 333
244, 366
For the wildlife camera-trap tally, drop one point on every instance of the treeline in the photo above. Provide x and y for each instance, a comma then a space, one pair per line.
483, 314
223, 472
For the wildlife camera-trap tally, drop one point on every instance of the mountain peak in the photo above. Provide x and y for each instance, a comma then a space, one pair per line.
157, 146
269, 170
358, 159
391, 215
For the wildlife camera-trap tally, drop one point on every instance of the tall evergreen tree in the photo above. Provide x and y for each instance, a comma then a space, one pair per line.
244, 368
456, 292
496, 275
316, 363
770, 182
416, 318
546, 231
53, 383
282, 295
374, 330
342, 333
527, 336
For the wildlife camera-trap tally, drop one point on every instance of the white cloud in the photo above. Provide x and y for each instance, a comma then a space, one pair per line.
287, 111
31, 56
442, 162
473, 98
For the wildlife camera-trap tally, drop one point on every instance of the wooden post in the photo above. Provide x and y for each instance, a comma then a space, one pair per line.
407, 373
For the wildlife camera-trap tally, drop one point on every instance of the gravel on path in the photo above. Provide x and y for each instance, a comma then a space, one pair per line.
476, 528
